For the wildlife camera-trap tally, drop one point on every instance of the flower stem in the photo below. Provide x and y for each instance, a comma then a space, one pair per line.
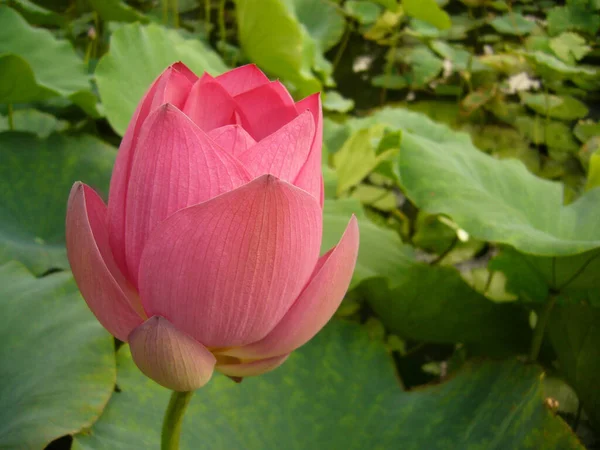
11, 119
540, 328
173, 419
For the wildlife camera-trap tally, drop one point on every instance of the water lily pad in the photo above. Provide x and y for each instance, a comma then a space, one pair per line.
339, 391
36, 176
58, 363
492, 200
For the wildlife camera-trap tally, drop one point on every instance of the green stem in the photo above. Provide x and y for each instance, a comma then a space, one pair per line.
207, 16
175, 6
222, 29
11, 119
173, 419
165, 11
540, 328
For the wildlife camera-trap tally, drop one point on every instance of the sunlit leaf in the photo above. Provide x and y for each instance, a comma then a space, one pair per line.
287, 39
427, 11
359, 156
492, 200
339, 391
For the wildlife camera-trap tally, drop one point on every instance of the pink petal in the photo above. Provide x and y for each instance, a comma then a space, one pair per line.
172, 86
209, 105
316, 304
104, 288
265, 109
176, 165
310, 177
227, 270
284, 152
232, 138
242, 79
185, 71
169, 356
249, 369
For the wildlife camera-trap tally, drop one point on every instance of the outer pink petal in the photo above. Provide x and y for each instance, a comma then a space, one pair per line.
249, 369
242, 79
232, 138
209, 105
310, 177
177, 165
284, 152
265, 109
169, 356
315, 306
227, 270
172, 86
103, 287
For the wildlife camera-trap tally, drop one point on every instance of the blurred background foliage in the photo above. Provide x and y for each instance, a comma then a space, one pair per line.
465, 136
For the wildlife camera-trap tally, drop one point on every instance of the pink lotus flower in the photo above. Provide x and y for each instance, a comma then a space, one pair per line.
207, 256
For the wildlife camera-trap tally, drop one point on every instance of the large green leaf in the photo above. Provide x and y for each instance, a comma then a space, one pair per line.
36, 176
442, 172
273, 36
575, 334
58, 363
434, 304
381, 252
34, 65
138, 54
339, 392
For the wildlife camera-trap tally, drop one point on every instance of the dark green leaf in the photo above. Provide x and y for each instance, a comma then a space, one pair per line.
58, 363
36, 176
434, 304
339, 392
575, 334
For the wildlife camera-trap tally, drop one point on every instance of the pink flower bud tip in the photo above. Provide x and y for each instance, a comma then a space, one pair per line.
207, 255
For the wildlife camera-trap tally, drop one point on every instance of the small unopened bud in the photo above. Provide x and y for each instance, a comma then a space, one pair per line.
92, 35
